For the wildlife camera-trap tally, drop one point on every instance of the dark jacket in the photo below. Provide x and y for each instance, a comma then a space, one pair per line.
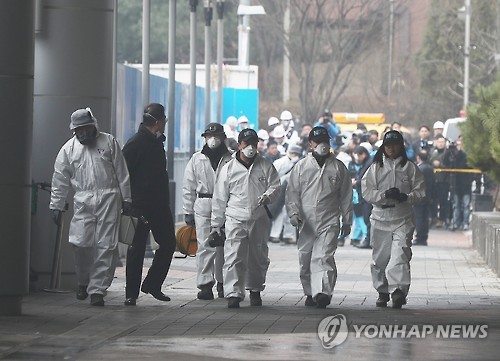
460, 183
147, 165
429, 181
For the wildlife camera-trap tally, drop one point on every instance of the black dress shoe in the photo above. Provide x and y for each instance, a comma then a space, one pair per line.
158, 294
206, 292
233, 302
398, 299
255, 299
97, 299
382, 299
310, 302
82, 294
322, 300
363, 245
131, 301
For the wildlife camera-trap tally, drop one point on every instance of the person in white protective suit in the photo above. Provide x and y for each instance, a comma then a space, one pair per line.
281, 222
197, 190
286, 121
319, 193
392, 184
243, 189
93, 165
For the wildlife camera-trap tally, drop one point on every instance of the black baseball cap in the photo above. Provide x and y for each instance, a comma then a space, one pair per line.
248, 135
213, 129
319, 134
393, 137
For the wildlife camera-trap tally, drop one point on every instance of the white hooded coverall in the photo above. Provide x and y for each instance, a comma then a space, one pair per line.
281, 222
234, 204
319, 196
99, 176
197, 193
392, 221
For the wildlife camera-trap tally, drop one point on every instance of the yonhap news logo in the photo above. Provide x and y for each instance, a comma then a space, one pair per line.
333, 331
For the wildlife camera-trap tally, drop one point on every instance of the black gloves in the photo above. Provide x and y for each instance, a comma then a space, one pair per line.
403, 197
127, 209
345, 230
217, 237
56, 216
392, 193
395, 193
189, 219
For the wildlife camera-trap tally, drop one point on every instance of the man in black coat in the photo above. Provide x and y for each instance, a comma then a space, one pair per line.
423, 209
147, 165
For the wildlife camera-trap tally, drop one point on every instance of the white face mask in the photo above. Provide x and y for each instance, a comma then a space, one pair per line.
249, 151
322, 149
294, 159
213, 142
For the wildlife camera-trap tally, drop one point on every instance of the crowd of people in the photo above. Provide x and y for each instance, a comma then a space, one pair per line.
313, 188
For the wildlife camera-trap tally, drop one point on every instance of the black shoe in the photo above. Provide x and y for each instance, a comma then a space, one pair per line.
382, 299
398, 299
131, 301
206, 292
233, 302
310, 302
82, 294
220, 289
97, 299
255, 299
158, 294
322, 300
415, 243
363, 245
355, 242
341, 242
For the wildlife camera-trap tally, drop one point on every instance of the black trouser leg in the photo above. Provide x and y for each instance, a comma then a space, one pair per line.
422, 223
162, 227
135, 261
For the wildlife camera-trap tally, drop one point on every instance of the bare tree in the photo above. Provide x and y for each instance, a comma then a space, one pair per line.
327, 40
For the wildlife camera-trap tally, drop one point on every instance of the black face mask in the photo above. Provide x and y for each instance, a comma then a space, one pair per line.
86, 136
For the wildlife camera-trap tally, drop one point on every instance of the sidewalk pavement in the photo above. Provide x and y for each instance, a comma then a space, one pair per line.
451, 286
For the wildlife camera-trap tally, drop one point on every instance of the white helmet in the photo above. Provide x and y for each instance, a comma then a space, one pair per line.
242, 119
272, 121
286, 115
367, 146
262, 134
279, 132
232, 121
438, 125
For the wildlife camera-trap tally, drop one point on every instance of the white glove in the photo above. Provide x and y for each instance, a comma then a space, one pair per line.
295, 220
263, 199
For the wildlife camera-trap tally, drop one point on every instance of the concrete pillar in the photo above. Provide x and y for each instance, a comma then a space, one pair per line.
16, 107
73, 69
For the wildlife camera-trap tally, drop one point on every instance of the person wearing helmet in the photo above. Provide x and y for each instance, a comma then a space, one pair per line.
291, 135
272, 123
92, 164
242, 122
438, 128
197, 190
328, 122
318, 197
281, 223
279, 136
392, 184
147, 164
230, 127
244, 188
263, 139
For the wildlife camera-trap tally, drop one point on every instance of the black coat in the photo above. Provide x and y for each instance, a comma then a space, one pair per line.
429, 180
147, 165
